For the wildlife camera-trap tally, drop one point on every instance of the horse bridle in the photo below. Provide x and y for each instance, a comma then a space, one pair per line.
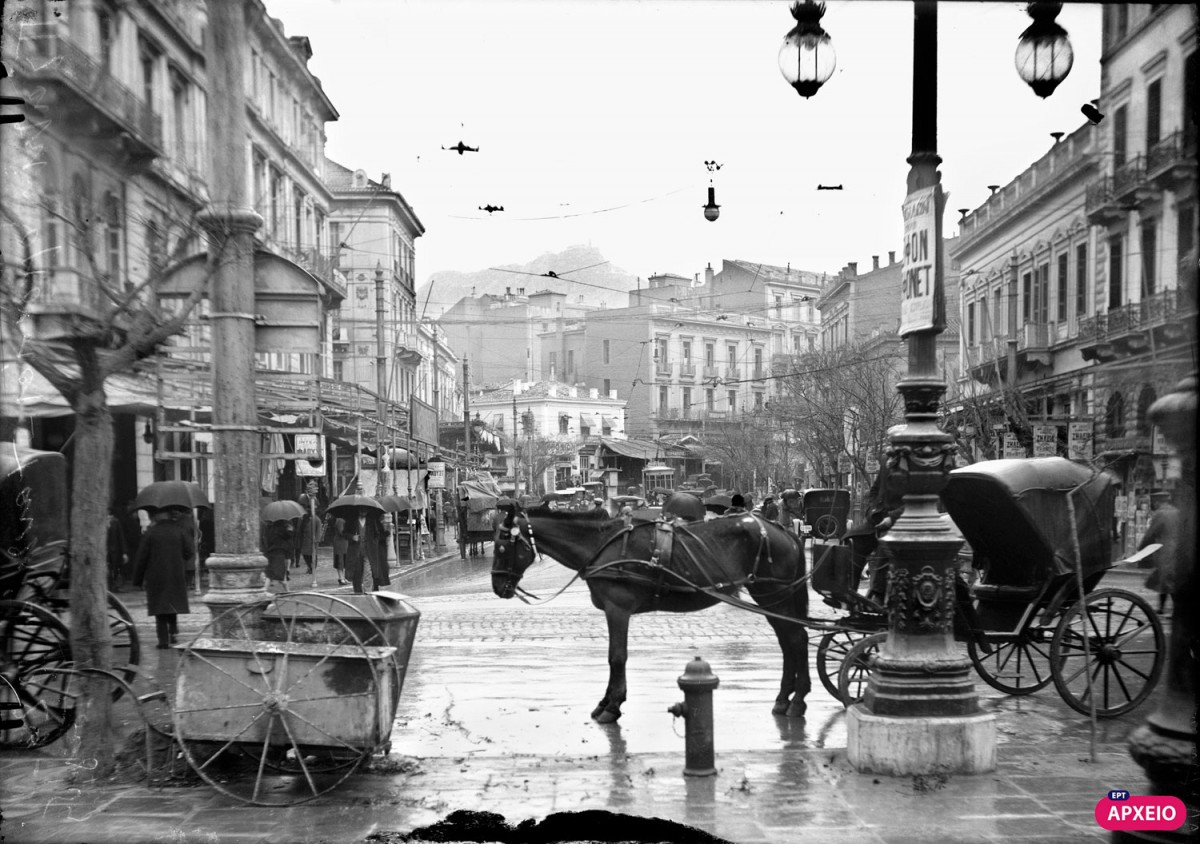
517, 537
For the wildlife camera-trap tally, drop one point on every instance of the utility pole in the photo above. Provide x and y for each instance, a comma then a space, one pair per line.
237, 568
516, 445
466, 412
380, 382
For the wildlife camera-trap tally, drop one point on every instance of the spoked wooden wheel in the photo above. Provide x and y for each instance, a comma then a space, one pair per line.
856, 669
277, 723
1115, 638
325, 759
1017, 665
832, 651
37, 696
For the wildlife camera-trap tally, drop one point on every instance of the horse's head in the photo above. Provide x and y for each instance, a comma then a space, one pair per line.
513, 550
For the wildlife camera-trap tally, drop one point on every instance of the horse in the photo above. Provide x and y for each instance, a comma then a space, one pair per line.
633, 567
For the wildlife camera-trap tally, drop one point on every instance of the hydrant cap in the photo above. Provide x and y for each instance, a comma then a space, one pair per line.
697, 674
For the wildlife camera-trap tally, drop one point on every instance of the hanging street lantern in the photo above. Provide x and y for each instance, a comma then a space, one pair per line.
1044, 56
712, 210
806, 58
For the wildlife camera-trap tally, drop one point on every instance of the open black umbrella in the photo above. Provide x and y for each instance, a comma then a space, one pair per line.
394, 503
282, 511
353, 502
160, 494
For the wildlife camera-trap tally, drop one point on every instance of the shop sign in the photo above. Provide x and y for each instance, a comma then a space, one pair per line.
1012, 447
310, 455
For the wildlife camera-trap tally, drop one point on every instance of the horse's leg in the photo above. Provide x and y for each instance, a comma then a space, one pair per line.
787, 684
609, 708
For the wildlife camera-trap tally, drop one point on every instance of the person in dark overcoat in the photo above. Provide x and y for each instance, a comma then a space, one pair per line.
367, 541
161, 565
117, 555
341, 544
304, 539
278, 544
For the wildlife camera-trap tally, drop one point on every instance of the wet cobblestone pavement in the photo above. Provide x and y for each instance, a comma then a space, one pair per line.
494, 717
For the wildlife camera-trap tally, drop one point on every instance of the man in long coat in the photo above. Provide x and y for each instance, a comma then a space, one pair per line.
367, 537
161, 564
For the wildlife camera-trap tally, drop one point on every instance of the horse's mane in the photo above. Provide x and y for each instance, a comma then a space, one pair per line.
597, 520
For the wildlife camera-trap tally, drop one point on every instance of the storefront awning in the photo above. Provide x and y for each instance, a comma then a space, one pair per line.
638, 449
587, 420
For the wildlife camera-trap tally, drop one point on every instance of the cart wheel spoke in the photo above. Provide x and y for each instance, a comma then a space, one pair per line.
1099, 666
232, 741
312, 786
830, 653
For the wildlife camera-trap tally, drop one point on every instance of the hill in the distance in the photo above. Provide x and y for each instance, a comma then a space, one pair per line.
582, 270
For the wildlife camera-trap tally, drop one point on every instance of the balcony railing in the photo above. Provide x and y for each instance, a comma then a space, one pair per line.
687, 370
709, 372
1128, 176
1172, 160
733, 372
52, 57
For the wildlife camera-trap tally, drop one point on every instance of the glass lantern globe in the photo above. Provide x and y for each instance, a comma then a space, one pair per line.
806, 57
1044, 55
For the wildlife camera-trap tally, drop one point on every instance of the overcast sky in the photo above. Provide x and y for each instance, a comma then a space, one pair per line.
594, 119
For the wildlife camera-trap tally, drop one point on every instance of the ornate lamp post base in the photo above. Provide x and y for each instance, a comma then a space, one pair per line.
236, 579
888, 744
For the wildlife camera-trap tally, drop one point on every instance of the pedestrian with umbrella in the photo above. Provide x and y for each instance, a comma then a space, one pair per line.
161, 566
367, 528
278, 538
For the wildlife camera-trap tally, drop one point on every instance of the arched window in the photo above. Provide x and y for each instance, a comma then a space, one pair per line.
1114, 416
1145, 398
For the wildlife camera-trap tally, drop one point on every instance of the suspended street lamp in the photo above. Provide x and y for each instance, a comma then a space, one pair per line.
806, 58
1044, 56
712, 210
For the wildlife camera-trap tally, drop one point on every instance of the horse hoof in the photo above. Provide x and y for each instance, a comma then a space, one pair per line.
779, 708
797, 709
607, 716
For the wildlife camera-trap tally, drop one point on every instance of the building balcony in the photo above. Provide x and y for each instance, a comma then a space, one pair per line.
1171, 162
66, 303
1164, 319
1033, 345
688, 371
662, 370
733, 372
83, 94
408, 349
987, 363
709, 373
759, 373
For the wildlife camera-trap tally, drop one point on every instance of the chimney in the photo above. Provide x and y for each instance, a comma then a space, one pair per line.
852, 268
875, 262
507, 292
708, 273
520, 291
892, 256
386, 180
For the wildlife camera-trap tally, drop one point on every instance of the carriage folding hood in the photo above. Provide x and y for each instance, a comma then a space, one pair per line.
1016, 512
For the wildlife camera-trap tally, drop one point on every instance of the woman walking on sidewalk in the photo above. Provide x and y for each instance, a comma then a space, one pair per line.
161, 564
340, 544
278, 545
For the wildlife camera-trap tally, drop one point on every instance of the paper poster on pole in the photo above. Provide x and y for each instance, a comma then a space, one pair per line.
919, 276
437, 474
312, 446
1012, 447
1079, 441
1045, 440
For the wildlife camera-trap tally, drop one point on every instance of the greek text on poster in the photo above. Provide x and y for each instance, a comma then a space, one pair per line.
920, 261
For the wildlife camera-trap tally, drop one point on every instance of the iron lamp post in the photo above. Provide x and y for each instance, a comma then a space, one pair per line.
1044, 55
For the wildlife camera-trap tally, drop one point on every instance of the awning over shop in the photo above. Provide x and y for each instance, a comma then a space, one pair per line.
638, 449
587, 420
608, 421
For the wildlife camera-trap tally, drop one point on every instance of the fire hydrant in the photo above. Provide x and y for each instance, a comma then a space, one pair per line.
697, 683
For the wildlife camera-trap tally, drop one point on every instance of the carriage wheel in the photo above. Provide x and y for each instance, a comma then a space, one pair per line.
856, 669
126, 646
1019, 666
1123, 652
826, 527
832, 651
276, 769
37, 697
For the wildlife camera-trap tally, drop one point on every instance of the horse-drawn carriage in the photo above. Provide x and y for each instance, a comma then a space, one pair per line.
1041, 535
477, 499
37, 691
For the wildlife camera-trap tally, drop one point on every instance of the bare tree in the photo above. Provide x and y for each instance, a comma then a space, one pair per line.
120, 326
842, 401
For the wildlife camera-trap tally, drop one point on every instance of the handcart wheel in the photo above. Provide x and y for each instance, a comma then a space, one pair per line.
37, 698
1019, 666
832, 651
126, 647
856, 669
1115, 637
323, 760
271, 711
